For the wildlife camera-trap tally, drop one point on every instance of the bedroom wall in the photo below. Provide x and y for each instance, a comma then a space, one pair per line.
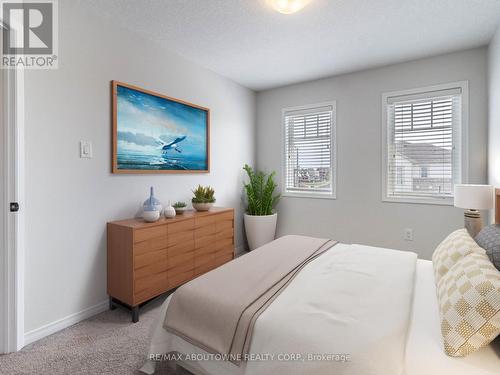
494, 111
358, 215
68, 199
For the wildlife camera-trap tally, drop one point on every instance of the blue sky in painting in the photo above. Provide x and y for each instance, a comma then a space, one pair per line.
144, 120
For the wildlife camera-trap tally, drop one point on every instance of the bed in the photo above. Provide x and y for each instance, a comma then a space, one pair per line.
340, 304
423, 355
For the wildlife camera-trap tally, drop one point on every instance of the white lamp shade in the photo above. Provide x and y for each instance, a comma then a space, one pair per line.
475, 197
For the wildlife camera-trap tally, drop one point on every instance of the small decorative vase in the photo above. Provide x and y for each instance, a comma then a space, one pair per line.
202, 206
151, 208
152, 204
169, 211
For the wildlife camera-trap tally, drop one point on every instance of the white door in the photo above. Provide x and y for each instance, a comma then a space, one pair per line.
11, 223
3, 210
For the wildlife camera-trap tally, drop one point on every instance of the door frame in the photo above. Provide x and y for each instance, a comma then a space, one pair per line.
12, 248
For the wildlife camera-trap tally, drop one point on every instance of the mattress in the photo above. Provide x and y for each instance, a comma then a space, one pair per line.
424, 352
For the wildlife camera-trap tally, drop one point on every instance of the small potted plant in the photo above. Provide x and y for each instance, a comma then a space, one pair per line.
260, 218
180, 207
204, 198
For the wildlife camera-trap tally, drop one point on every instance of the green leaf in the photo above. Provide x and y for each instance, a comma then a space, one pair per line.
260, 192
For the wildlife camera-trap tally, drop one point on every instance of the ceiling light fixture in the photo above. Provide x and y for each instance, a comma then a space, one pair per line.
288, 6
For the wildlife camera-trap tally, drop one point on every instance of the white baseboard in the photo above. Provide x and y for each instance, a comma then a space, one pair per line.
58, 325
49, 329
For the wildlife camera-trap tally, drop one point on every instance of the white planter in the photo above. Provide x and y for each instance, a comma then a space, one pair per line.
260, 229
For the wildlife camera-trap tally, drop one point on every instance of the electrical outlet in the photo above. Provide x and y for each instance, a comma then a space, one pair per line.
408, 234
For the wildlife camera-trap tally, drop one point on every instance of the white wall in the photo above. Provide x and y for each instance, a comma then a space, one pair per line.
494, 111
68, 199
358, 215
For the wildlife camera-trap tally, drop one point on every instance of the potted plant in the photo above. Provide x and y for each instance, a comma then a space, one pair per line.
260, 218
204, 198
180, 207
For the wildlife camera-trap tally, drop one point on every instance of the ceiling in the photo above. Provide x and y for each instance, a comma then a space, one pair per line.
250, 43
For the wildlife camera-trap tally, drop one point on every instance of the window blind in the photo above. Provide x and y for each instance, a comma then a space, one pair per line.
424, 144
308, 150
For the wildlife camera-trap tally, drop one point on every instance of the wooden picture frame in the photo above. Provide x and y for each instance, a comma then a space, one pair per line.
160, 168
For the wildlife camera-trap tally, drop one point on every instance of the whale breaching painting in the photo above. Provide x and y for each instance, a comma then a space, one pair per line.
153, 133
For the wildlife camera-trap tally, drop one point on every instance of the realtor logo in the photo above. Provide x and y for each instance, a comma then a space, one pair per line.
29, 34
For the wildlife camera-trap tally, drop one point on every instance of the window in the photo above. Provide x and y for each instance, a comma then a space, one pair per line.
423, 135
309, 155
400, 174
424, 172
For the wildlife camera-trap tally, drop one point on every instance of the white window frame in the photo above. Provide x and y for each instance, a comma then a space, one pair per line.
333, 153
447, 201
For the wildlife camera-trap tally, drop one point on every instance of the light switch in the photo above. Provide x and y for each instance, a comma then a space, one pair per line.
85, 149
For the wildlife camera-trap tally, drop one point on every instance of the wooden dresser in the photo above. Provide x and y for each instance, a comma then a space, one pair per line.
148, 259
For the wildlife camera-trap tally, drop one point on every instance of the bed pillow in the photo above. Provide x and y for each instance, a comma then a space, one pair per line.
454, 247
489, 240
469, 305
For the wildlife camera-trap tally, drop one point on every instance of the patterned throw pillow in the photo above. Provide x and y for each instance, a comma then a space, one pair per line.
489, 240
469, 305
454, 247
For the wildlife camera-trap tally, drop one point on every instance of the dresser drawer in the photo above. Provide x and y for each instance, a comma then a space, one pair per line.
150, 282
180, 248
204, 241
204, 221
204, 268
223, 225
150, 258
181, 226
181, 260
224, 234
150, 287
180, 237
227, 250
208, 248
151, 269
149, 233
226, 216
180, 278
201, 259
204, 231
153, 244
221, 259
224, 242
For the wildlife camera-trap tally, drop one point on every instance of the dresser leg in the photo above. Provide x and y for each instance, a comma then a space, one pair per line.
112, 305
135, 314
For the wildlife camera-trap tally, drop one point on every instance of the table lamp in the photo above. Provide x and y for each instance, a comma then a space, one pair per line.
474, 198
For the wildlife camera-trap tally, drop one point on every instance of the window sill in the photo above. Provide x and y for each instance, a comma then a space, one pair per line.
309, 195
428, 201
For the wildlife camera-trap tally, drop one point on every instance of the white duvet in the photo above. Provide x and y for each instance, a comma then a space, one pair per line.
347, 312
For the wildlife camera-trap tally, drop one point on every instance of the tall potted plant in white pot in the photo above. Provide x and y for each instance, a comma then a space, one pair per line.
260, 218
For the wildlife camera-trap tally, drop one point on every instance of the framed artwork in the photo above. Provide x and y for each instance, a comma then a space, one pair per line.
153, 133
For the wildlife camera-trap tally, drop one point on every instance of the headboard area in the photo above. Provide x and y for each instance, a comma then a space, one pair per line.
497, 206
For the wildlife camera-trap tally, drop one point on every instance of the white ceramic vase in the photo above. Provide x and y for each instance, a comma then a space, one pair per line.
260, 229
169, 211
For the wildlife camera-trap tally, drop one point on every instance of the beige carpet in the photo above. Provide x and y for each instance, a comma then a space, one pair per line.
108, 343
